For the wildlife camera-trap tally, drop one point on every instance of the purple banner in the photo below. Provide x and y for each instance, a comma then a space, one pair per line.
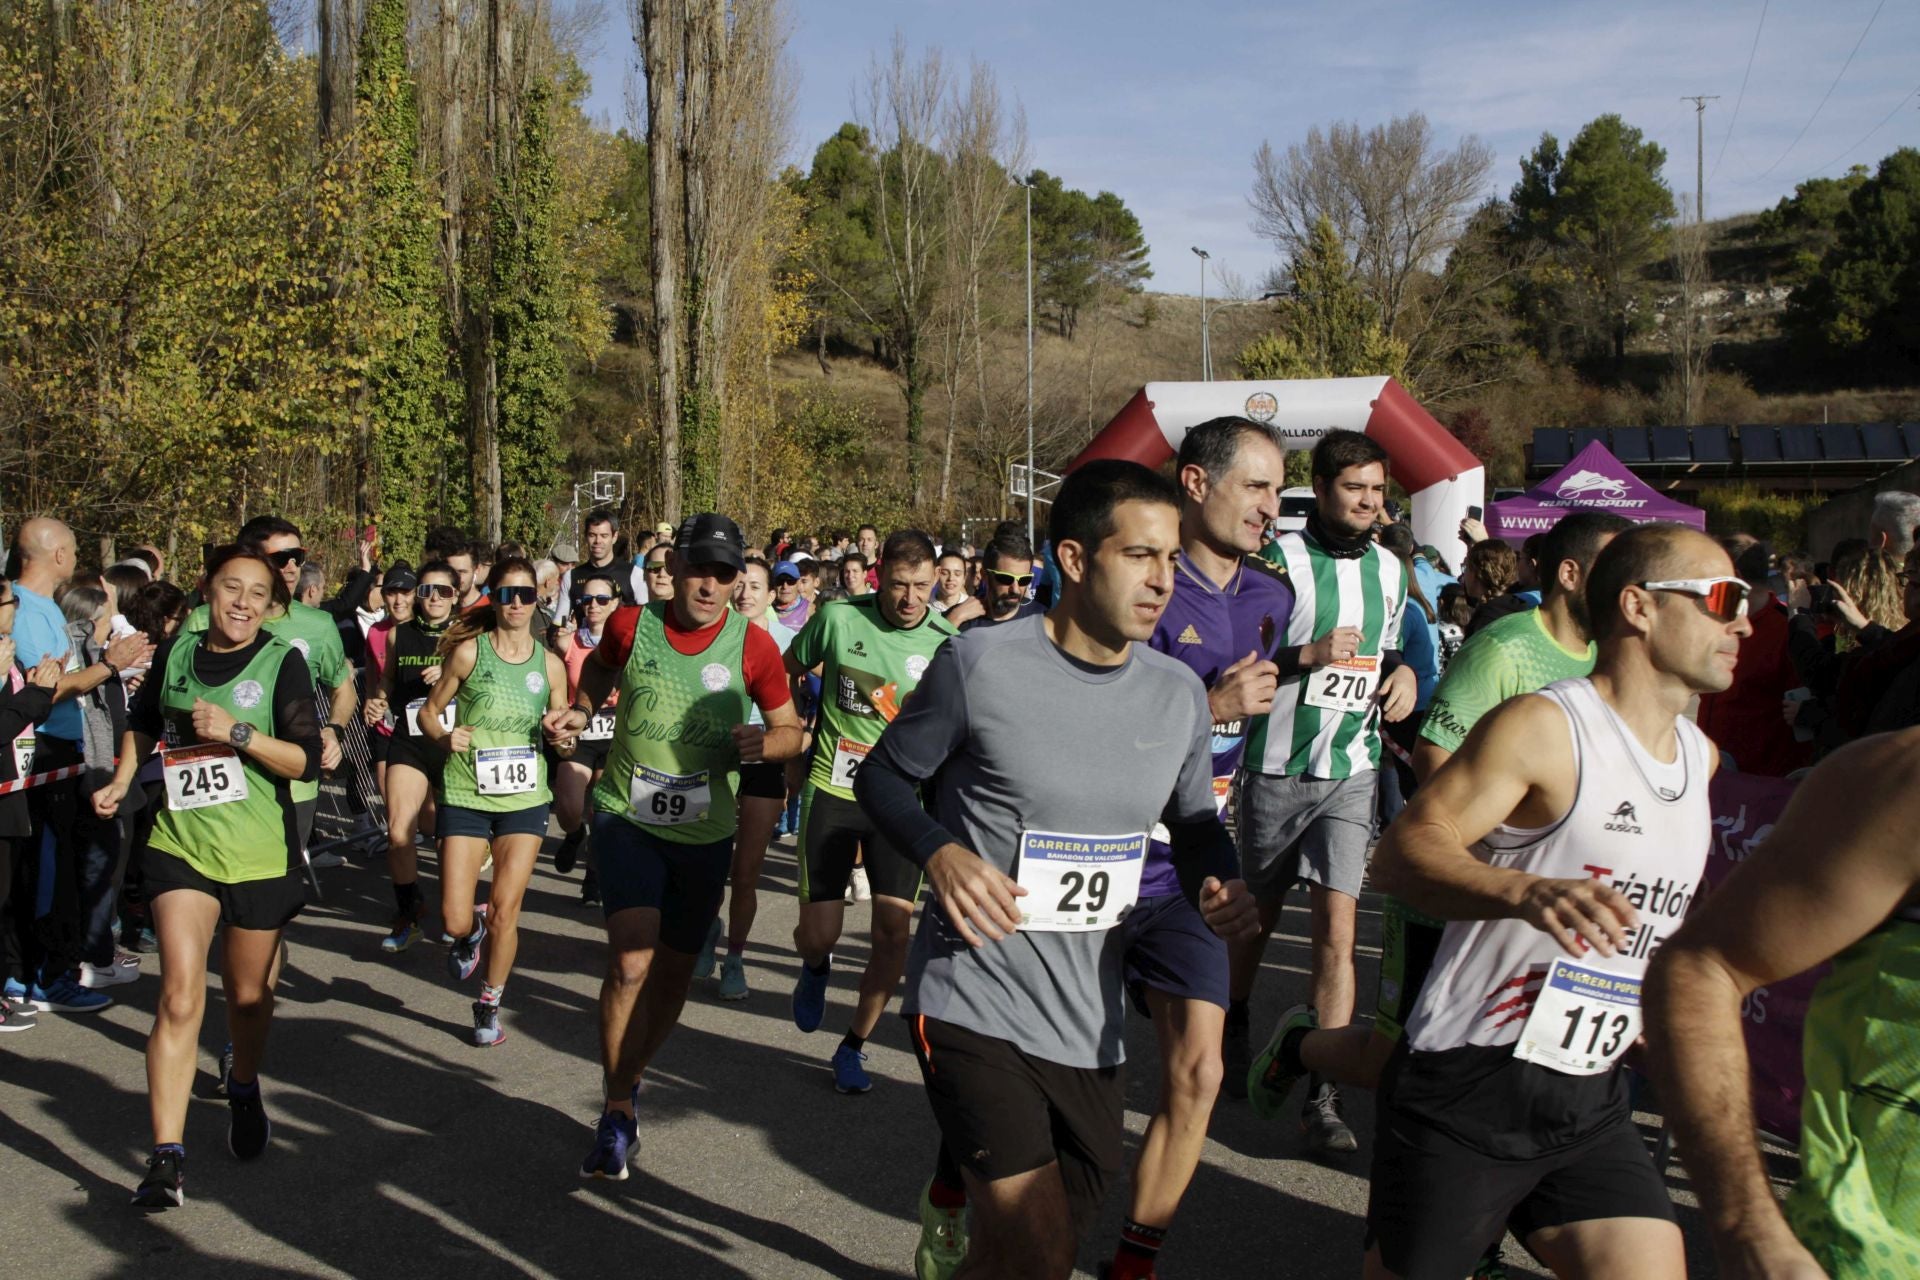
1745, 807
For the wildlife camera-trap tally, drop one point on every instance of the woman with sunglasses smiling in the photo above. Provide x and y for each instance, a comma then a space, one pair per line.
235, 714
599, 596
408, 671
494, 791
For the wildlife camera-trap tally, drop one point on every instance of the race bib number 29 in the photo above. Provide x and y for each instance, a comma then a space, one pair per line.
1584, 1021
1075, 883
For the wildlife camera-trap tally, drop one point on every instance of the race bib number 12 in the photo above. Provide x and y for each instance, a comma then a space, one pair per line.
1584, 1021
1076, 883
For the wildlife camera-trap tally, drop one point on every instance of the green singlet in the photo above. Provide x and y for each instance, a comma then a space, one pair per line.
232, 841
503, 769
870, 667
1510, 657
1857, 1203
673, 767
316, 636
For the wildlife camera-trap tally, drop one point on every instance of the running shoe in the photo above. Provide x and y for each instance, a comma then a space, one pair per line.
144, 942
733, 978
1491, 1266
1322, 1124
326, 860
16, 1017
463, 957
65, 995
486, 1024
810, 996
862, 887
405, 932
1236, 1052
613, 1140
95, 977
164, 1187
226, 1068
943, 1239
568, 853
1268, 1081
248, 1129
848, 1075
589, 889
703, 964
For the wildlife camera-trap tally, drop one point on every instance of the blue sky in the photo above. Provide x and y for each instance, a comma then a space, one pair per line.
1165, 102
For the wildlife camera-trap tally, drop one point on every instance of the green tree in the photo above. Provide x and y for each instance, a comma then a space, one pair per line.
412, 398
1086, 249
529, 306
1326, 326
1602, 208
1864, 302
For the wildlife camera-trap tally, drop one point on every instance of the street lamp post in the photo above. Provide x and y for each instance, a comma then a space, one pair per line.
1206, 356
1027, 186
1206, 323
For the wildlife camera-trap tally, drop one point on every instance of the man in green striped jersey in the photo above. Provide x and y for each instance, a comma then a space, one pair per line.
1306, 794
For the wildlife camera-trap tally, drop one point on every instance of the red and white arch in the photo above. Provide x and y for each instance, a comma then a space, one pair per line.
1443, 477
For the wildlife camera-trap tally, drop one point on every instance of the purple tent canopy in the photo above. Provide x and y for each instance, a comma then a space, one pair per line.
1594, 481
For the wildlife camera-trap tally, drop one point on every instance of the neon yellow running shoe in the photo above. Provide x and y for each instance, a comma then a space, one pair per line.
943, 1239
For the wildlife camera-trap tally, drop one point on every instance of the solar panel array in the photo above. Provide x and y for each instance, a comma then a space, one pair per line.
1752, 445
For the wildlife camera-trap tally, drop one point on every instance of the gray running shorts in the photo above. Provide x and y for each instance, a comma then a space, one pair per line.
1301, 828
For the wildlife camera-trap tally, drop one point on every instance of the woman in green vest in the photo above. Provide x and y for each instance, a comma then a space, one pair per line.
232, 709
494, 791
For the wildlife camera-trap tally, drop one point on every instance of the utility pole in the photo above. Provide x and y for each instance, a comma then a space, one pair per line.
1206, 356
1700, 102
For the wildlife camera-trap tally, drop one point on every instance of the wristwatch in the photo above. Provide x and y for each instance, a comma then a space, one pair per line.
241, 734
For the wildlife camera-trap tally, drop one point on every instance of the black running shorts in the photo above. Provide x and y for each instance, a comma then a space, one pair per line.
832, 830
1003, 1112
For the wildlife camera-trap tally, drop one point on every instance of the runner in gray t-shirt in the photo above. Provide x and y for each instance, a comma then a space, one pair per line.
1050, 747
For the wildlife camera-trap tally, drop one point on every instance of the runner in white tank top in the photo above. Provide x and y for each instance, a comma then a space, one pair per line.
1562, 843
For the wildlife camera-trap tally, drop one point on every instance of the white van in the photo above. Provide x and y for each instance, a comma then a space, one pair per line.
1295, 506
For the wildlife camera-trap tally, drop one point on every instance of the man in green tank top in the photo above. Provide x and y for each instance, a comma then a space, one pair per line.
869, 653
1838, 879
688, 670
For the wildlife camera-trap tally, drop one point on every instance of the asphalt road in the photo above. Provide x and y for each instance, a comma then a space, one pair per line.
400, 1149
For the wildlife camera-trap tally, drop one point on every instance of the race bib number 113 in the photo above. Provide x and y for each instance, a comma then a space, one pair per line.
1584, 1021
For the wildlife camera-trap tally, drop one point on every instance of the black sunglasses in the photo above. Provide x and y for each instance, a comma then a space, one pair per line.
435, 591
515, 595
292, 555
658, 566
596, 599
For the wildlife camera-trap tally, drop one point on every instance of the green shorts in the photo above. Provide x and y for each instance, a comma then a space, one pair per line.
1408, 943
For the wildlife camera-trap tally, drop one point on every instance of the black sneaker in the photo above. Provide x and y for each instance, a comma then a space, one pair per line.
568, 853
248, 1128
1236, 1052
164, 1187
589, 889
1321, 1122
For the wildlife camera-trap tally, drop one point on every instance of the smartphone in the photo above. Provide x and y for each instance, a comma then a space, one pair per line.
1476, 513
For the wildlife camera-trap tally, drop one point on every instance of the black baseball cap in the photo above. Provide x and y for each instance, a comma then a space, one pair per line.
399, 578
711, 538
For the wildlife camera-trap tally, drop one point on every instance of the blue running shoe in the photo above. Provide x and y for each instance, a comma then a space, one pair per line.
463, 957
848, 1075
486, 1024
612, 1141
64, 994
810, 996
703, 964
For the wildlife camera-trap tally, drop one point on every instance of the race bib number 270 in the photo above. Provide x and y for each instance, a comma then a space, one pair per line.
1345, 686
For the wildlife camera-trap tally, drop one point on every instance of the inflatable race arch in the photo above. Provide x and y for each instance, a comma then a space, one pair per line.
1443, 477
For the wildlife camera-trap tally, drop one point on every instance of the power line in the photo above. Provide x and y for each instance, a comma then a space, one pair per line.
1829, 93
1742, 95
1869, 133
